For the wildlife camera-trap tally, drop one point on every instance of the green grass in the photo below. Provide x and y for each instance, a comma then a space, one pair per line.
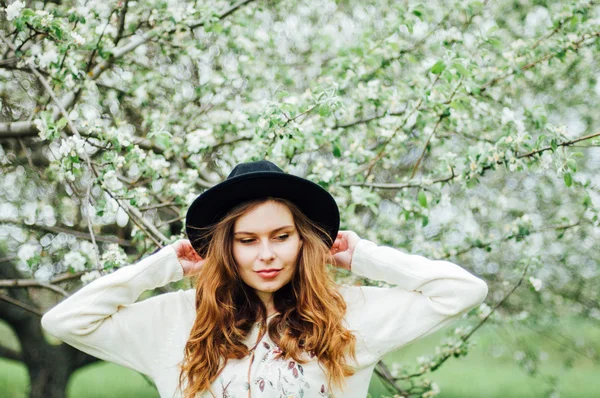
479, 374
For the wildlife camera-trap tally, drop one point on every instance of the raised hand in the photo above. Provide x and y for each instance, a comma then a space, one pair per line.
190, 261
343, 248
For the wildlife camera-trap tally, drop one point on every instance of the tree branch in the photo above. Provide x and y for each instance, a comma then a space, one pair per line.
483, 245
79, 234
151, 34
571, 46
122, 16
437, 124
17, 130
26, 307
566, 143
446, 179
466, 337
368, 119
382, 185
9, 353
19, 283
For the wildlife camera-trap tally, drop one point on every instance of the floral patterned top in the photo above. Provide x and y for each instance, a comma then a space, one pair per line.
103, 319
269, 376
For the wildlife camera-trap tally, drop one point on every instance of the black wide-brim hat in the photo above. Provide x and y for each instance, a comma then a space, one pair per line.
256, 180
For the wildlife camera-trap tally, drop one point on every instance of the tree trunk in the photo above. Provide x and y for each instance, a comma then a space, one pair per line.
49, 374
49, 366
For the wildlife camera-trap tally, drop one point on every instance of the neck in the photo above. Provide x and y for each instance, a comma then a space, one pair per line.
267, 300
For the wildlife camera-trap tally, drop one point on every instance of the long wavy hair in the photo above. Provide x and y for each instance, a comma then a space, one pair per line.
310, 308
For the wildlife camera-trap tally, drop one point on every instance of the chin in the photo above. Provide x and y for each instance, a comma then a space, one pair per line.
269, 287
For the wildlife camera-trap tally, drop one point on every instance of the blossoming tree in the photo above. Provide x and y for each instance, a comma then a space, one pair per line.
463, 130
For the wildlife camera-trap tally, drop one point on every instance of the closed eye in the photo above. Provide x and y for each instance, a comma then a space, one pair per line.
250, 240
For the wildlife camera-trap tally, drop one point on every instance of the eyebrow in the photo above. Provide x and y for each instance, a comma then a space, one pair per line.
252, 233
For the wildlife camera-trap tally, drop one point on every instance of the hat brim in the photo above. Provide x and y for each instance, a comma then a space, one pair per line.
213, 204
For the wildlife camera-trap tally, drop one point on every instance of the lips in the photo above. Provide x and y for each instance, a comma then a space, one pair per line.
269, 273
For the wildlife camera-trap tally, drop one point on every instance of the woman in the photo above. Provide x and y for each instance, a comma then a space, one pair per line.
265, 318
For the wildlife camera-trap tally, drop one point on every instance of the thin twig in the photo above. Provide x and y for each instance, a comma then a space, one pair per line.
26, 307
446, 179
468, 335
437, 124
563, 144
381, 185
122, 16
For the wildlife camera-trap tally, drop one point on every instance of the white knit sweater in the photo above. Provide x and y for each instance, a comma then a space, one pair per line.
104, 320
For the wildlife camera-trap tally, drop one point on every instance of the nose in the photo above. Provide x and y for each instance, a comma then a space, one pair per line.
266, 253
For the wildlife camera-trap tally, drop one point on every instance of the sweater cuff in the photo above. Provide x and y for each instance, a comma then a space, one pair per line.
172, 261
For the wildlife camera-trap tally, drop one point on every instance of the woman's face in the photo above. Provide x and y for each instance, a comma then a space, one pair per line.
266, 245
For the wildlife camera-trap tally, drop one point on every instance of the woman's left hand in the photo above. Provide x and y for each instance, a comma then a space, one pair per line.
343, 248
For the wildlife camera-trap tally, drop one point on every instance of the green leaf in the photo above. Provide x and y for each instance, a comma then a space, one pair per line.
422, 199
290, 151
553, 144
61, 123
539, 140
324, 110
438, 67
425, 220
282, 94
572, 164
337, 151
495, 43
568, 179
460, 69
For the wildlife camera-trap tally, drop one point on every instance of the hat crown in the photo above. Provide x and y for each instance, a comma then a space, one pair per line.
253, 167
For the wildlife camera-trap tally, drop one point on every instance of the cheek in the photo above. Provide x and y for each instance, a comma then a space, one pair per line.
293, 251
242, 258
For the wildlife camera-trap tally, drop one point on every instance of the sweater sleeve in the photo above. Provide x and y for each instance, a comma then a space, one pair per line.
103, 320
428, 295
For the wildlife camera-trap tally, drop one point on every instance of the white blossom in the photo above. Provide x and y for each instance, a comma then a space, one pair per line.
179, 188
75, 260
536, 283
483, 311
111, 181
115, 255
46, 17
90, 276
73, 146
199, 139
77, 38
44, 273
508, 115
27, 251
142, 196
14, 10
122, 217
48, 57
159, 164
88, 250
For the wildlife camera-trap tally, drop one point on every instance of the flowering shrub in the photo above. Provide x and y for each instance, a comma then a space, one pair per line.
461, 130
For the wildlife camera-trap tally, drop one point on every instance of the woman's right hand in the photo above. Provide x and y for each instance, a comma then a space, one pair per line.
190, 260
